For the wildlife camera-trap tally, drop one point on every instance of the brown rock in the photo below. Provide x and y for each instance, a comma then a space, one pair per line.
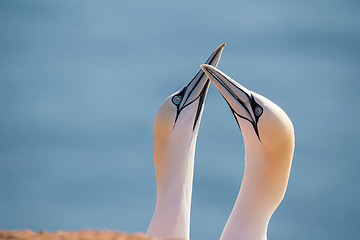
78, 235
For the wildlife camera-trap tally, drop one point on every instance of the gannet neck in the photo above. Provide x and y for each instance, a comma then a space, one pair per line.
174, 189
174, 166
262, 189
175, 132
269, 146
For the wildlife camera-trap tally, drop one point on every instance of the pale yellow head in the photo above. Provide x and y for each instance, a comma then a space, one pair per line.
263, 123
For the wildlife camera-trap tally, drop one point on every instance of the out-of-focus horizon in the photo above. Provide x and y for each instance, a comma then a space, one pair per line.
81, 81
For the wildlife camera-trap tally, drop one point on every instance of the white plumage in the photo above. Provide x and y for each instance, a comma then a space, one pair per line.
175, 132
269, 146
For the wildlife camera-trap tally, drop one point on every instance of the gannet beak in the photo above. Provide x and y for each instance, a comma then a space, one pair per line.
238, 97
199, 85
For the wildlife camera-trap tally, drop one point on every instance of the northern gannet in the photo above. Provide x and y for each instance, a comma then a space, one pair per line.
175, 132
269, 146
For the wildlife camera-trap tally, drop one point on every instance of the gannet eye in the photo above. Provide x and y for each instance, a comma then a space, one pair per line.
258, 111
176, 100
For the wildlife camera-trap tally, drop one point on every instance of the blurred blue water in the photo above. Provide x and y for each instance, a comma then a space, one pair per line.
81, 81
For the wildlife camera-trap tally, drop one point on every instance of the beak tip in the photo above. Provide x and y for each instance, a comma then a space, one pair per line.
221, 46
203, 66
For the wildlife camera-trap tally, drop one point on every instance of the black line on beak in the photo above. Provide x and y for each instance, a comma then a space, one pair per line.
202, 94
201, 72
201, 102
252, 101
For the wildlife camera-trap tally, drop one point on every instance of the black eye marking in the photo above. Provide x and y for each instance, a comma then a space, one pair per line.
177, 100
258, 110
255, 107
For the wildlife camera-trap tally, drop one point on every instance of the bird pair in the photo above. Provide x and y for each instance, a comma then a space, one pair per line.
269, 145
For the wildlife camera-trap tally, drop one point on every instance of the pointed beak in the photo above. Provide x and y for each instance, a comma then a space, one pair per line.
214, 58
237, 96
199, 85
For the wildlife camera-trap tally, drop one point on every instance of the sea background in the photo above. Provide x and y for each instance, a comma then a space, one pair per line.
81, 82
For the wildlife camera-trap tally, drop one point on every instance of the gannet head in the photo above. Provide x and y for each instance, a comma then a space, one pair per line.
268, 136
177, 121
261, 121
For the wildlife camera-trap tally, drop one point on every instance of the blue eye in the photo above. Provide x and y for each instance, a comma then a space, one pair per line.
258, 111
176, 100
